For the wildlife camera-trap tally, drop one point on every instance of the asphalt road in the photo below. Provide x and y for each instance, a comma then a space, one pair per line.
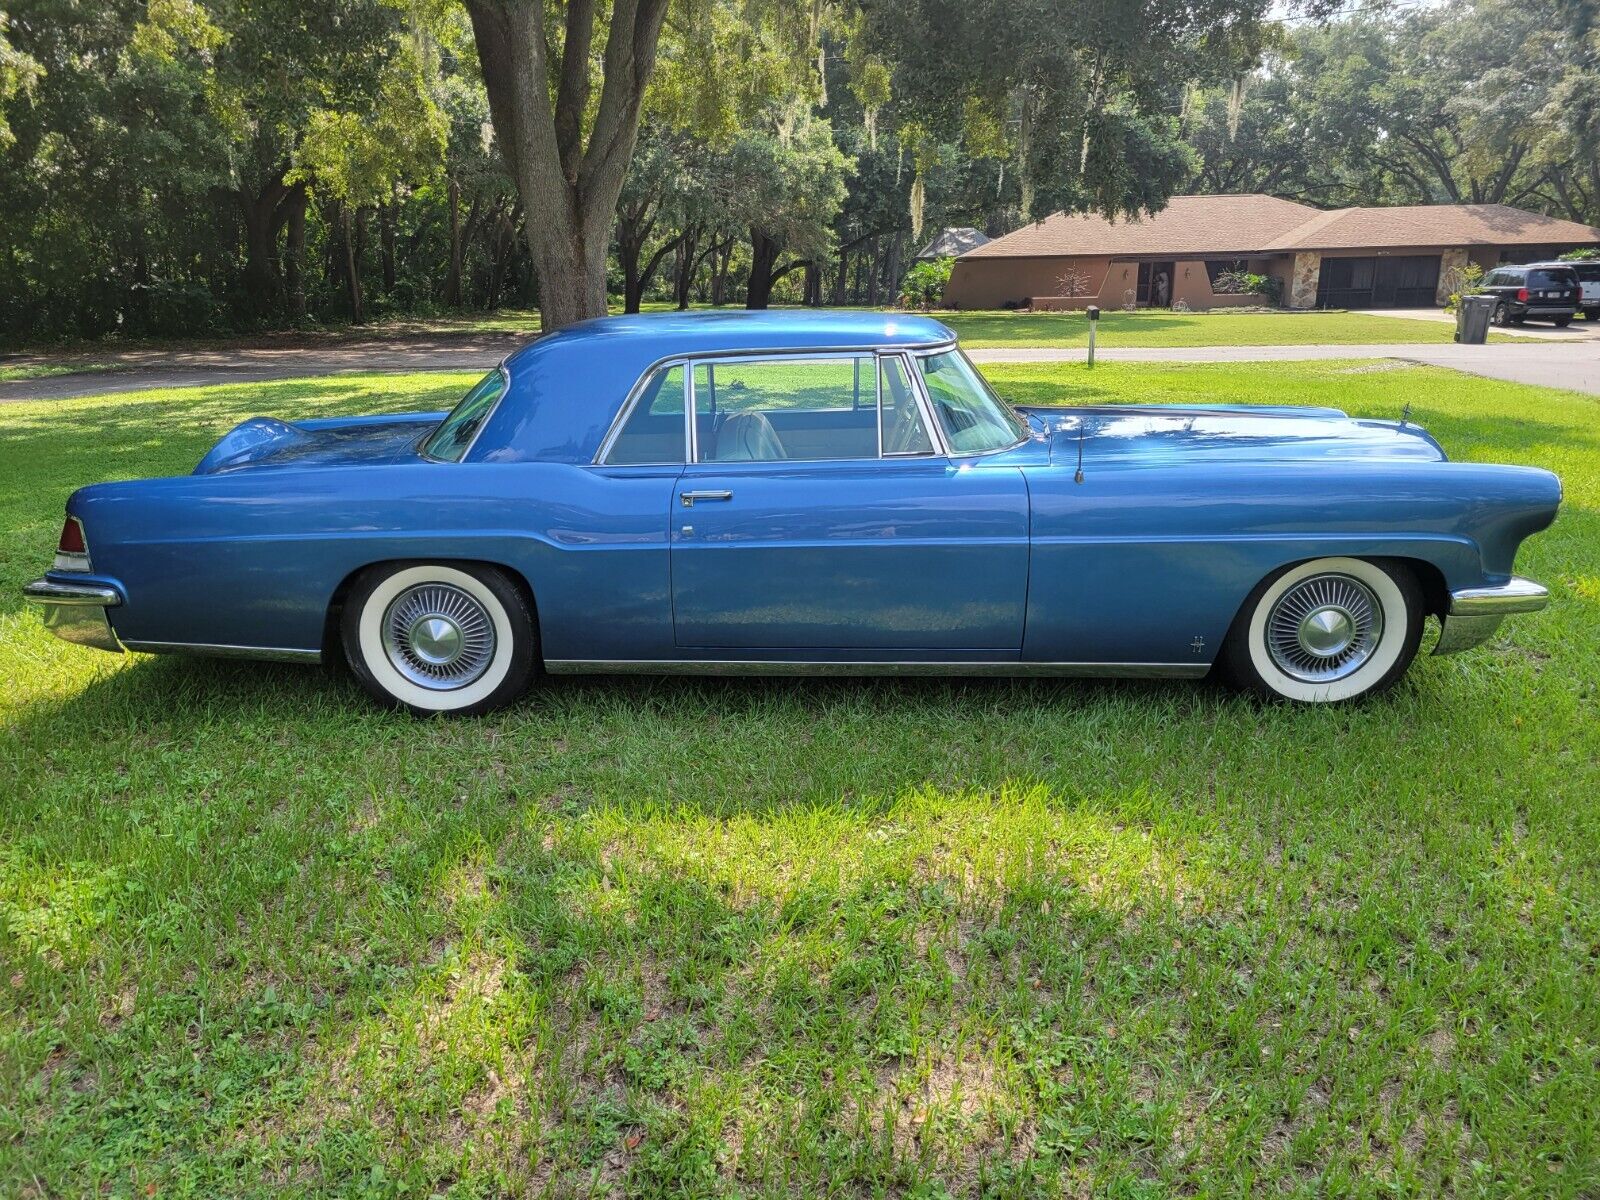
1573, 364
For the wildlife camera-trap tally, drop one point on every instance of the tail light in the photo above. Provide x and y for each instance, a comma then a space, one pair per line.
72, 552
1522, 295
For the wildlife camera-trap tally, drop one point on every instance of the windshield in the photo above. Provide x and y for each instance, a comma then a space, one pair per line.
455, 433
973, 417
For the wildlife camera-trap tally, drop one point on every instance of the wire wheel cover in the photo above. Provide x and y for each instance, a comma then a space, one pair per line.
1324, 628
438, 636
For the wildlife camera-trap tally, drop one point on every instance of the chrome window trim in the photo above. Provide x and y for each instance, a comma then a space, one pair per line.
631, 401
505, 378
690, 359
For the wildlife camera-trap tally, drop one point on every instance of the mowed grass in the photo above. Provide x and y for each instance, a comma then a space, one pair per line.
858, 938
1149, 328
1154, 328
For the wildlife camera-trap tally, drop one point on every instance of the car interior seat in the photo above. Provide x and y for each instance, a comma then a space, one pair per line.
747, 437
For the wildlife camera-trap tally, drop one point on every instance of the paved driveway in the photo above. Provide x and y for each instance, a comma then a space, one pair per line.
1575, 366
1570, 363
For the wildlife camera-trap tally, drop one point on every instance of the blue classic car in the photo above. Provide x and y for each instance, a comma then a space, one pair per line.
794, 493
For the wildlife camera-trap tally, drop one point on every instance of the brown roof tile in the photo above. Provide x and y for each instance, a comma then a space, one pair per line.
1431, 225
1188, 225
1224, 225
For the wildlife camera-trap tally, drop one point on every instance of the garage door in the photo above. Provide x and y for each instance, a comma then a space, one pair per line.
1402, 281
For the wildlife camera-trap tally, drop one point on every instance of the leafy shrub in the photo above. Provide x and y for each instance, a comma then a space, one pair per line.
1247, 283
1587, 254
924, 284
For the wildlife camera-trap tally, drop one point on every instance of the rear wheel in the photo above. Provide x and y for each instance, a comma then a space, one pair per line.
439, 638
1327, 630
1500, 316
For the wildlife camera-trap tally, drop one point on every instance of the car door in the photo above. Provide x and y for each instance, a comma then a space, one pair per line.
819, 514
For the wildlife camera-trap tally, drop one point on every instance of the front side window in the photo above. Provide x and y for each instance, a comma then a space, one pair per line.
654, 432
786, 409
451, 438
973, 417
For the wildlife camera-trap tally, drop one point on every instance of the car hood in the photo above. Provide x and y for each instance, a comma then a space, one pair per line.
1250, 433
264, 442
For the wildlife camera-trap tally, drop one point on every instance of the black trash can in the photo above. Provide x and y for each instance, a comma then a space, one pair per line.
1472, 319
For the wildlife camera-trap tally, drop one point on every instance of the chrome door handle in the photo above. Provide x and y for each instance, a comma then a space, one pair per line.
689, 498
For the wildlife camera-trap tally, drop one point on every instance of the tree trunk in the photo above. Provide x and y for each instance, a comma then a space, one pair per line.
813, 284
633, 227
763, 262
295, 259
352, 229
872, 275
721, 261
893, 280
569, 184
841, 278
261, 245
452, 280
687, 262
386, 222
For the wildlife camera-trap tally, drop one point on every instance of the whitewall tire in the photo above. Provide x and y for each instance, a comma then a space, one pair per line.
451, 638
1327, 630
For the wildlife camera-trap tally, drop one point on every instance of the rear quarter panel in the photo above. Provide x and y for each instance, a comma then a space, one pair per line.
254, 558
1151, 564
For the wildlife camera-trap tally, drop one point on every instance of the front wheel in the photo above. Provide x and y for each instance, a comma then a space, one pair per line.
1324, 631
439, 638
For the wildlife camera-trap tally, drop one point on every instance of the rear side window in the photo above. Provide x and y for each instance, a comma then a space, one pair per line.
1551, 277
1588, 272
772, 410
654, 433
454, 434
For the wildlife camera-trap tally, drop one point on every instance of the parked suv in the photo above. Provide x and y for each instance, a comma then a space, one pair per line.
1588, 273
1545, 292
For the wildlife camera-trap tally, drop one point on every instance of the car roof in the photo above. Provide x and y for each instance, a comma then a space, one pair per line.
1545, 266
662, 335
565, 388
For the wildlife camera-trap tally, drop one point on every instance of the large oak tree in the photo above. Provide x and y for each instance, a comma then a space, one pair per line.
567, 158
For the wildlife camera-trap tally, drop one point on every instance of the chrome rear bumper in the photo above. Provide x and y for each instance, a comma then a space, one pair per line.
1475, 613
76, 612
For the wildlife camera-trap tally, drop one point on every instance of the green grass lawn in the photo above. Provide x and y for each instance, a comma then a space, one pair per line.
988, 330
857, 938
977, 330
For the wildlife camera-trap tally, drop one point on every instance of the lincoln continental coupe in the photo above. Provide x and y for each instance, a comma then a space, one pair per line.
801, 493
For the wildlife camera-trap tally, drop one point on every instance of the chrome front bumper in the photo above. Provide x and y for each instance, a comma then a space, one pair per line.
76, 612
1475, 613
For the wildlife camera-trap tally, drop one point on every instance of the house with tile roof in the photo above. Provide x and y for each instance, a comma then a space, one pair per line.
1404, 257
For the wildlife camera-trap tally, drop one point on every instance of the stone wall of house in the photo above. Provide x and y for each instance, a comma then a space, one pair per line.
1451, 264
1303, 278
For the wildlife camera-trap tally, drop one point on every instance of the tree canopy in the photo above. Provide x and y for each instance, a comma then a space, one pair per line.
181, 166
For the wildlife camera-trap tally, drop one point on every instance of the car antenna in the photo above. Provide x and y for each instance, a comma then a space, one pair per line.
1082, 422
1405, 413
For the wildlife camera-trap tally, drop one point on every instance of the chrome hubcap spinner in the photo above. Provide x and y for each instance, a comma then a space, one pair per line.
1324, 628
438, 636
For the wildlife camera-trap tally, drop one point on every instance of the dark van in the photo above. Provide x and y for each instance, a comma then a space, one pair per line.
1540, 293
